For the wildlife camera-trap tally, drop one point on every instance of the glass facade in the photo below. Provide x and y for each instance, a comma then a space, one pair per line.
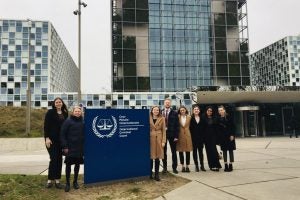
229, 39
130, 64
277, 64
179, 44
52, 69
172, 45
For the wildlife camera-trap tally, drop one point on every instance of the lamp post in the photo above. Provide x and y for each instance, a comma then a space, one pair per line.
28, 92
78, 12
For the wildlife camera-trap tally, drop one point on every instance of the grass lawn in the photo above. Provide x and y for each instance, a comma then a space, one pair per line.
13, 122
33, 187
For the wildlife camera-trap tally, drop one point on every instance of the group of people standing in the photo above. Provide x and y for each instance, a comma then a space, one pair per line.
63, 136
190, 133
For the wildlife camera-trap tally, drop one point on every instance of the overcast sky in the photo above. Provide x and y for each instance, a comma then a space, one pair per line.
269, 21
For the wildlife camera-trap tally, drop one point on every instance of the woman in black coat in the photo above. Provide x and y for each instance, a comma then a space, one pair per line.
227, 136
197, 127
71, 137
211, 138
53, 121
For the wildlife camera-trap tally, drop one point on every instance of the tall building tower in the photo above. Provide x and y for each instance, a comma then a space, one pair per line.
277, 64
52, 68
172, 45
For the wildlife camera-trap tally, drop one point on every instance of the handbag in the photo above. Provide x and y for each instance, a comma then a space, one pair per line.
220, 156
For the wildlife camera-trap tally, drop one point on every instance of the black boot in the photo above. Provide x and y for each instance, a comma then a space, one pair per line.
151, 175
197, 168
151, 166
187, 169
202, 163
75, 185
226, 168
67, 187
68, 173
156, 176
230, 167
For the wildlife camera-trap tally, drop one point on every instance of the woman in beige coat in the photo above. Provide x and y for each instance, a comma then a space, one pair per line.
157, 139
184, 143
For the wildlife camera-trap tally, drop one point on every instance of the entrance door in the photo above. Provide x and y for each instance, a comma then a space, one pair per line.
248, 120
287, 113
250, 123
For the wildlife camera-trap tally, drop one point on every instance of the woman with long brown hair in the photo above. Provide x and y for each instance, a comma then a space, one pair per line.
53, 121
157, 140
184, 143
197, 128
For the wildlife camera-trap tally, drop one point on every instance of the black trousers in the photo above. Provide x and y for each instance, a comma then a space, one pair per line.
68, 173
231, 156
212, 156
187, 159
174, 154
198, 150
55, 164
156, 166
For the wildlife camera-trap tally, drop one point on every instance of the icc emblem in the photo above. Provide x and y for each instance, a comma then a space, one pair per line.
104, 127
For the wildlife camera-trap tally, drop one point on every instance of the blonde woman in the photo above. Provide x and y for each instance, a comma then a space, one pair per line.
184, 143
157, 140
72, 138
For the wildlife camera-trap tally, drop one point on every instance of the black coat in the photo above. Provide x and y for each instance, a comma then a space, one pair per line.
173, 124
197, 131
211, 140
72, 136
226, 129
211, 131
52, 125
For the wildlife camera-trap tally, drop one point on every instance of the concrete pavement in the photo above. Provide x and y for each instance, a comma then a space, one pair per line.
264, 168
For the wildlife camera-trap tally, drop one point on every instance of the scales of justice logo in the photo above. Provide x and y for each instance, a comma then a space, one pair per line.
103, 127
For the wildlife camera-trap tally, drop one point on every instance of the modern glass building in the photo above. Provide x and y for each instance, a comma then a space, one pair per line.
257, 110
172, 45
277, 64
37, 44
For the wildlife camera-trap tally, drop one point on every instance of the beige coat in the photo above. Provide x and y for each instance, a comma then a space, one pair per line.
157, 137
184, 143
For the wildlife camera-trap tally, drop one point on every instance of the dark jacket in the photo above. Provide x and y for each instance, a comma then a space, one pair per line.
197, 130
210, 130
52, 125
173, 124
72, 136
225, 130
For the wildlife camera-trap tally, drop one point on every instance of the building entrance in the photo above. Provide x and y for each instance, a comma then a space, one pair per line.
249, 120
287, 114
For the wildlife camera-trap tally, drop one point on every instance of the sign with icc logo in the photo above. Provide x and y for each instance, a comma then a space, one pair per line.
104, 127
116, 144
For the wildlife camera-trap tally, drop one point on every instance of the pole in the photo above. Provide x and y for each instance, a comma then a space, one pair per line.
28, 92
79, 50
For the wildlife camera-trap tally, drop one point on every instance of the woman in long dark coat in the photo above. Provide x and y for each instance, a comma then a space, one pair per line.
197, 128
227, 136
72, 138
53, 121
211, 138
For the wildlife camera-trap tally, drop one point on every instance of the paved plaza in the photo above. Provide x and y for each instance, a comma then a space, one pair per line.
265, 168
